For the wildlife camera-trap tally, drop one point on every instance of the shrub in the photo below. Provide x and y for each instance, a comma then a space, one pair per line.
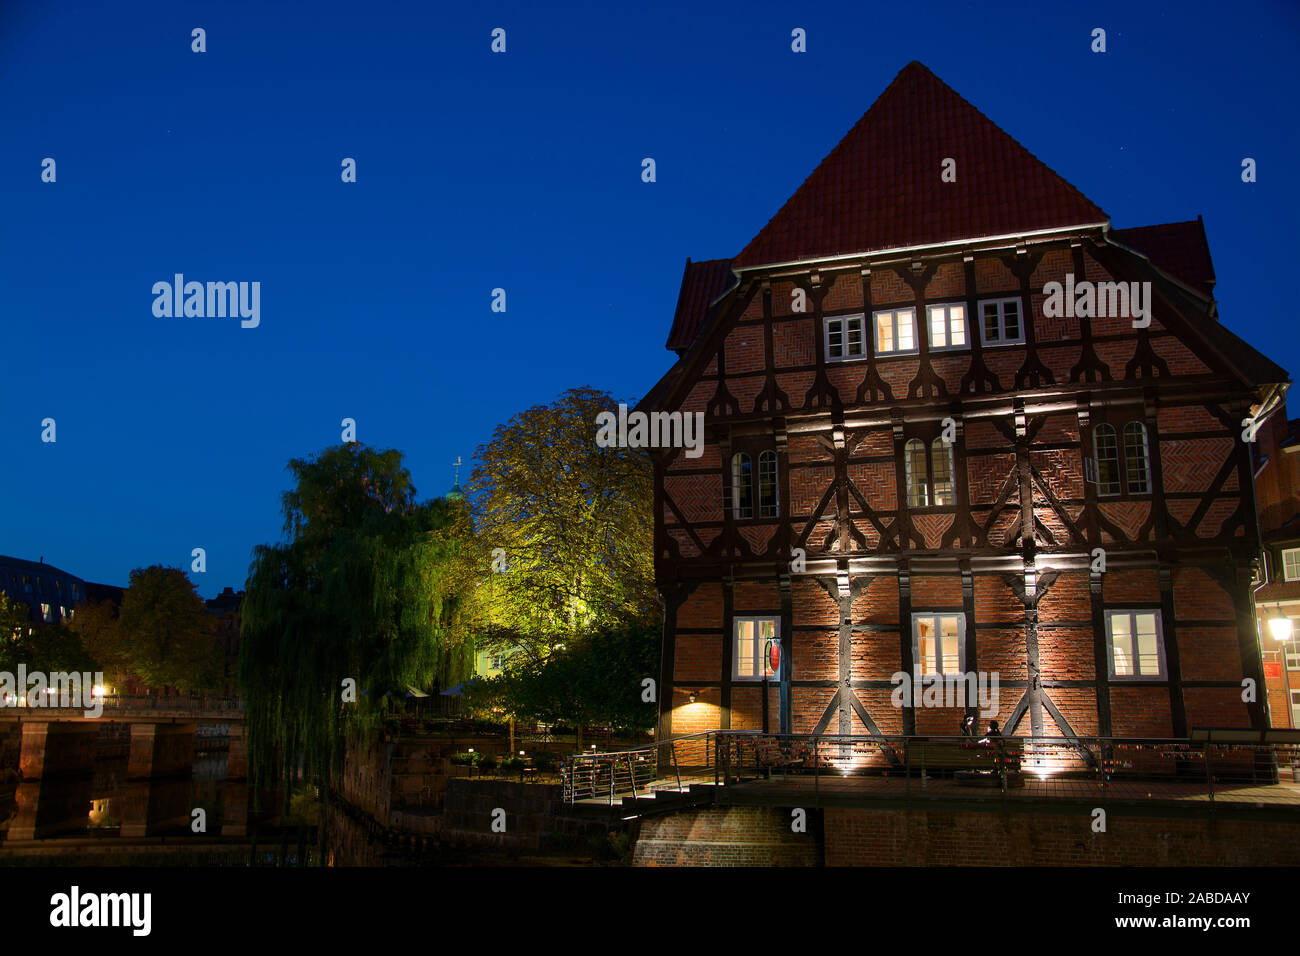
465, 759
545, 760
487, 762
620, 845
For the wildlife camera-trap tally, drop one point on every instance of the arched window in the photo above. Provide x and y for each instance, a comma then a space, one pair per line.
742, 486
941, 468
1135, 457
767, 494
1106, 446
918, 492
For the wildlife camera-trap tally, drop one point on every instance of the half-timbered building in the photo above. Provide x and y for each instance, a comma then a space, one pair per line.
915, 463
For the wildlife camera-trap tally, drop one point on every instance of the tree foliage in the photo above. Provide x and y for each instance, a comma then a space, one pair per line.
364, 588
95, 623
167, 636
47, 647
575, 523
597, 679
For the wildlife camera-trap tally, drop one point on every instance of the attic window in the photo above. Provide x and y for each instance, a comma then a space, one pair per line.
844, 338
895, 331
1001, 322
1291, 564
947, 326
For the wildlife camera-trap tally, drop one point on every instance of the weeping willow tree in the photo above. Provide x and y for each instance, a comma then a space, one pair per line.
365, 588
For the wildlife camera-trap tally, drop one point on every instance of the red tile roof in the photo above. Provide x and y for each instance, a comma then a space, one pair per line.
880, 188
702, 282
1178, 248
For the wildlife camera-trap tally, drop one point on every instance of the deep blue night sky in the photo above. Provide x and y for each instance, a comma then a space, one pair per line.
519, 171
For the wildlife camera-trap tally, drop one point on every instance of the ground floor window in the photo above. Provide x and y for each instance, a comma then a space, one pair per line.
937, 645
752, 634
1135, 645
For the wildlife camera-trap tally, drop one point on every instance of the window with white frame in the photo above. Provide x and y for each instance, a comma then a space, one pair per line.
749, 658
937, 645
1291, 648
845, 338
1291, 564
1135, 645
929, 482
895, 331
947, 324
1001, 322
1138, 472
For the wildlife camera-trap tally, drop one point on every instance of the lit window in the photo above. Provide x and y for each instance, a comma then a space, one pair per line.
767, 493
947, 326
742, 486
752, 635
1135, 457
45, 613
1107, 449
914, 470
1000, 322
1291, 564
1136, 645
895, 331
845, 338
937, 643
1292, 648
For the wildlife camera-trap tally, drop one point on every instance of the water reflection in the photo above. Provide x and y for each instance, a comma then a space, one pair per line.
97, 796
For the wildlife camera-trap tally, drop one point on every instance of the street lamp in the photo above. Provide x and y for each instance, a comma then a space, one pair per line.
1281, 628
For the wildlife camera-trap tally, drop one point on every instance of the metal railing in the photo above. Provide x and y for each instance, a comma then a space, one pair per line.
611, 776
178, 702
1222, 765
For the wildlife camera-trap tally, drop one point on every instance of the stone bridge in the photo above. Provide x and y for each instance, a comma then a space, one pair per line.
59, 746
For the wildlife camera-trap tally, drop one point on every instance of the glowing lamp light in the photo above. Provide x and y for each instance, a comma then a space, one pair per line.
1281, 628
99, 690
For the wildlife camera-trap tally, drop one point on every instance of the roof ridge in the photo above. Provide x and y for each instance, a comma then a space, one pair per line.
902, 210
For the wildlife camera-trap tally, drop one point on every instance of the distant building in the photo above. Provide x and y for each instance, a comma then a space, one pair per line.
226, 608
50, 594
490, 663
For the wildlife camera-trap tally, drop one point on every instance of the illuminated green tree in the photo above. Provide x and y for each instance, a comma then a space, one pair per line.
571, 522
